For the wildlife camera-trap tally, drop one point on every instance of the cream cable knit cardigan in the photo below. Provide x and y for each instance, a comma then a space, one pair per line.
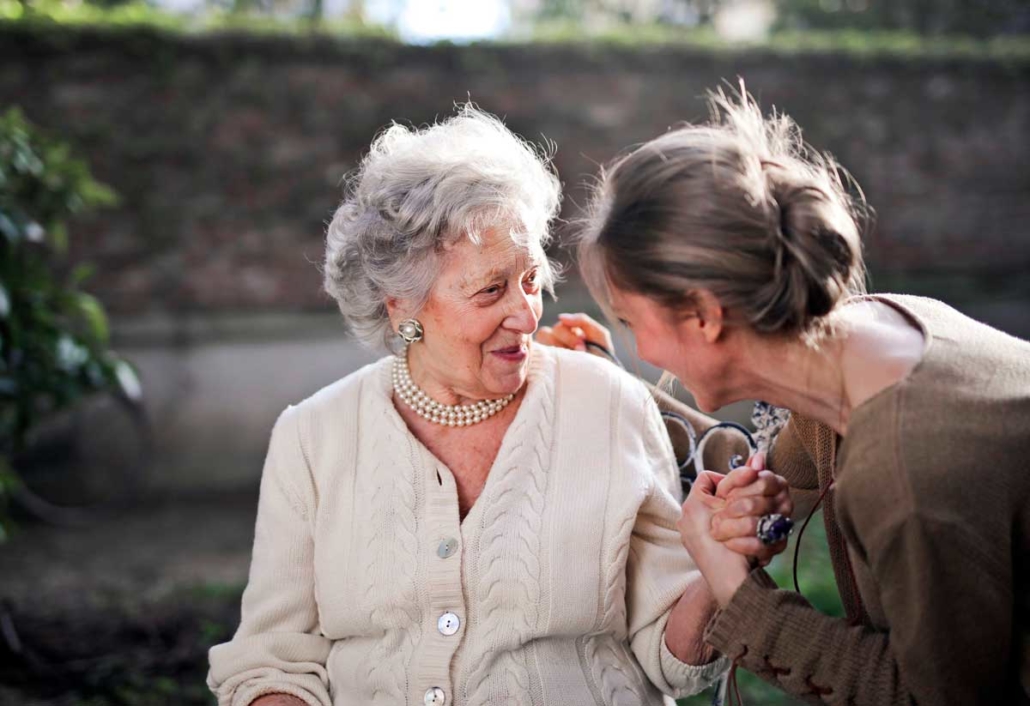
557, 585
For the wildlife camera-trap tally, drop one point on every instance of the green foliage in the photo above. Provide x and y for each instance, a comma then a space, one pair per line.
953, 17
215, 17
132, 12
802, 26
967, 17
849, 42
53, 336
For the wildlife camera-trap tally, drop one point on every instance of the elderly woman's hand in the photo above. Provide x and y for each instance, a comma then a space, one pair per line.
723, 569
573, 331
749, 492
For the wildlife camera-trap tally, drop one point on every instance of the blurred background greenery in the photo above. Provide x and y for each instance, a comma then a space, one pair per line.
947, 25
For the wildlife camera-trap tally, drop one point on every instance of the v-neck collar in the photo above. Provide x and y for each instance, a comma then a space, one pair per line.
539, 364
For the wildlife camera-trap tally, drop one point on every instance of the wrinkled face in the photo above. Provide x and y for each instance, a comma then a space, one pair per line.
480, 319
676, 342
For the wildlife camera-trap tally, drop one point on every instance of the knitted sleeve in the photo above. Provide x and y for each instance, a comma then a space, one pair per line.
278, 647
658, 570
779, 636
791, 459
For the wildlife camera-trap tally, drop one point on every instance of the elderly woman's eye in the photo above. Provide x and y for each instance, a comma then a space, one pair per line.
492, 289
533, 279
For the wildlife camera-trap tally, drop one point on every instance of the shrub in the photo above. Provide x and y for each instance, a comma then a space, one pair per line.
53, 335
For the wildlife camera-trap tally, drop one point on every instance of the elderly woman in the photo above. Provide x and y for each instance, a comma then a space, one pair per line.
733, 254
474, 520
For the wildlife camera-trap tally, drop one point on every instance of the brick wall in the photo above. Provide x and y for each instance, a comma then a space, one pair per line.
228, 150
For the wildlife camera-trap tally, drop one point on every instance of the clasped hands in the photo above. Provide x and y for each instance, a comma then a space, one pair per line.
719, 523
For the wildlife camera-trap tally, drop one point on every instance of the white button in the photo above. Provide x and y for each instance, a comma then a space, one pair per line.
448, 624
435, 697
447, 548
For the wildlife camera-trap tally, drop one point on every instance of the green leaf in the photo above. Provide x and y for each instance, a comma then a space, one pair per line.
98, 376
94, 193
80, 274
71, 356
27, 163
93, 313
58, 236
9, 229
128, 381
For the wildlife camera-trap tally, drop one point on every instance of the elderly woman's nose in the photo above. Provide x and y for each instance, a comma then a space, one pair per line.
524, 314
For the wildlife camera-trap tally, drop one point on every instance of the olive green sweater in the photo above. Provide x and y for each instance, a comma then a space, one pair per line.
929, 526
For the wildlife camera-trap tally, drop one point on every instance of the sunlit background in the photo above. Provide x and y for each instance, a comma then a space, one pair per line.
186, 267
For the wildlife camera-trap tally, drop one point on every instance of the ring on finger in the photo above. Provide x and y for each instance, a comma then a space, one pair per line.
774, 528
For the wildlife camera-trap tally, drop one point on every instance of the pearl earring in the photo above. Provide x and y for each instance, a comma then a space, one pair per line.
411, 330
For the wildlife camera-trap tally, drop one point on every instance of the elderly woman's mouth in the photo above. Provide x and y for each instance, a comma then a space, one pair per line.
514, 354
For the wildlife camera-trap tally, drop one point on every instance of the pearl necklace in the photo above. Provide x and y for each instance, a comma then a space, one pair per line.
458, 415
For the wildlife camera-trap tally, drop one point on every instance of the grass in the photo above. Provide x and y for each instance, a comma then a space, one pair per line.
815, 577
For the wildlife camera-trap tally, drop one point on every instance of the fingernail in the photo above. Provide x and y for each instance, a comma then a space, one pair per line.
581, 346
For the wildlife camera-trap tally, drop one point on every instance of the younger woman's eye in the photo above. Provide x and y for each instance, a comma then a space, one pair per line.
625, 323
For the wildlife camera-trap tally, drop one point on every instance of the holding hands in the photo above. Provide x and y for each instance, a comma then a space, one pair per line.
720, 521
748, 494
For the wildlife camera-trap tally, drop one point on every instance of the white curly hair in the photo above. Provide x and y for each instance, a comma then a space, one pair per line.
419, 191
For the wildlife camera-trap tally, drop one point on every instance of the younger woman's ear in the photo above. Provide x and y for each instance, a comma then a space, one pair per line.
710, 315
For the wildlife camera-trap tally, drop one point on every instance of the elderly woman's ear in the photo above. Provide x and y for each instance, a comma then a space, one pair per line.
395, 311
398, 310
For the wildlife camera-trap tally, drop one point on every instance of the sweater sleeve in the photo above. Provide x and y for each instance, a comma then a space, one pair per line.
779, 636
658, 570
948, 604
278, 647
790, 459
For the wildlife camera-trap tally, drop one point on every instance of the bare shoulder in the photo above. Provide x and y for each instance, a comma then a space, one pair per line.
882, 347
